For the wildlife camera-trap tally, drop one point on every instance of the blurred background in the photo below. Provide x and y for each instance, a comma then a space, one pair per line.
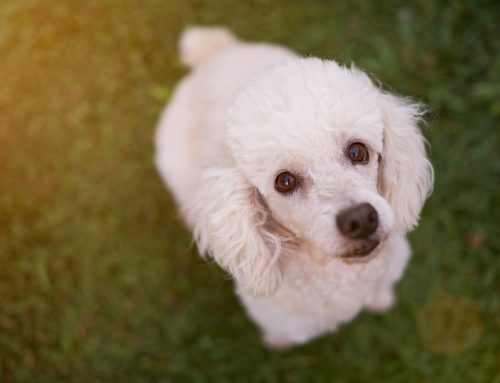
99, 281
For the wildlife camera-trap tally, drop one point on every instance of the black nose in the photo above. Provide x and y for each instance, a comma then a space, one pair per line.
358, 222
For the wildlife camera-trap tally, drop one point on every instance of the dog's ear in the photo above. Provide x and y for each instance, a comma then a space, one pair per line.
406, 175
229, 224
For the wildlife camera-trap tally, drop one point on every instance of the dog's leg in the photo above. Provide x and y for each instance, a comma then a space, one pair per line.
398, 253
382, 301
277, 342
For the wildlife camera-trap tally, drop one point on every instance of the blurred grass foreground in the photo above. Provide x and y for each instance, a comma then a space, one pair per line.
98, 279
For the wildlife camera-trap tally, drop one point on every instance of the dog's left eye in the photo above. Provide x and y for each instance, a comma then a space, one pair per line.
358, 153
285, 182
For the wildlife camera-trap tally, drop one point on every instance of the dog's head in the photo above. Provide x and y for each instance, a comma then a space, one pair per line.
320, 154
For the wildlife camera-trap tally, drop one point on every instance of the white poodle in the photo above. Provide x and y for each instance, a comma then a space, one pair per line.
298, 176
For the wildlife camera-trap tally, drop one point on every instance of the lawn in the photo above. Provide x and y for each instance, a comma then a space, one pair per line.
99, 281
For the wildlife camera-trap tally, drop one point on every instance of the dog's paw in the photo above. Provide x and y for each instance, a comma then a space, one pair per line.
383, 301
277, 342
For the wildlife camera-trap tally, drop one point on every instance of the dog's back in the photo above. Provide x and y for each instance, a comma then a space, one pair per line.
191, 131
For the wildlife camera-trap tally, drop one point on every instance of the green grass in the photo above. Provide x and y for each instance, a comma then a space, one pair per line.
98, 279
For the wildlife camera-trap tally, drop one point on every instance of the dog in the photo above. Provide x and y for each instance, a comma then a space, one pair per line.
298, 176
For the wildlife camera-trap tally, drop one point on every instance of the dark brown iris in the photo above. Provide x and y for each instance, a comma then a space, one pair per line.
285, 182
358, 153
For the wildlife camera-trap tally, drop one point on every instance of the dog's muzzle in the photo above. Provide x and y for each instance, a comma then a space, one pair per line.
358, 223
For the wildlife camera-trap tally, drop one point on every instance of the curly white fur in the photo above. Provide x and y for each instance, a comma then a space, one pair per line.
249, 111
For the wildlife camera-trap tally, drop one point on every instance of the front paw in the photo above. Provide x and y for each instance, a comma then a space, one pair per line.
383, 301
277, 342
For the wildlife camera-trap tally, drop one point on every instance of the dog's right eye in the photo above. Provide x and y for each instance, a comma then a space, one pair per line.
285, 182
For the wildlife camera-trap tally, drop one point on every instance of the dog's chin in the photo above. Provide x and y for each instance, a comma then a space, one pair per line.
361, 252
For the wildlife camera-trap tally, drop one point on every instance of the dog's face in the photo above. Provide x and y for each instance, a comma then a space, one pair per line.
312, 138
321, 155
327, 193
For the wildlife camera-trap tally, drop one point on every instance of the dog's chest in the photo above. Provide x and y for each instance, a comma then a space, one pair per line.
330, 287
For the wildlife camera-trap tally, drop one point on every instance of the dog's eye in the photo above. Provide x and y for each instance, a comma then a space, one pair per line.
358, 153
285, 182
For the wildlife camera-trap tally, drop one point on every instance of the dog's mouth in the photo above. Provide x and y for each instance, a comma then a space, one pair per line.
361, 251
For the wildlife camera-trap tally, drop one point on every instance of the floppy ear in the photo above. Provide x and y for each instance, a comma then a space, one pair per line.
407, 175
229, 224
